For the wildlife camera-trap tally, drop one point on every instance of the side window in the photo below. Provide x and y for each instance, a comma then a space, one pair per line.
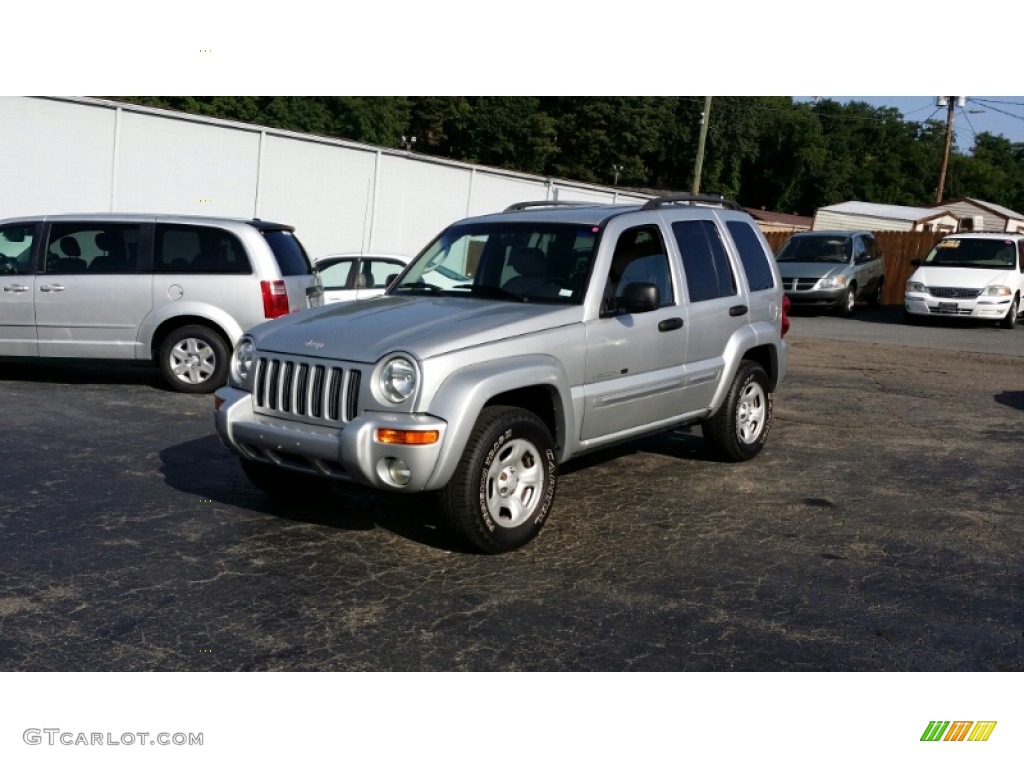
860, 250
639, 257
92, 247
377, 271
755, 262
16, 249
1020, 255
183, 248
335, 277
708, 272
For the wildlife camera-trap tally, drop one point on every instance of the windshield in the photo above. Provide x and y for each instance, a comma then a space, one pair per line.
981, 254
835, 249
509, 261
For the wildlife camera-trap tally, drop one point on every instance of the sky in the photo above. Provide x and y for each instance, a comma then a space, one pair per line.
998, 115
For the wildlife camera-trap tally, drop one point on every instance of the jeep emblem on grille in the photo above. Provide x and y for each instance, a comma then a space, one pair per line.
315, 344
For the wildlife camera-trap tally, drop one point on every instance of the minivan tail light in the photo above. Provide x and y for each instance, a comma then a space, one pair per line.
785, 314
275, 298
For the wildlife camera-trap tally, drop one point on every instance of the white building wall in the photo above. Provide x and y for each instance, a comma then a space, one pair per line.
825, 219
65, 155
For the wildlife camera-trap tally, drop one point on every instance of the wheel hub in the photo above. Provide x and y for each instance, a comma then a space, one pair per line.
507, 481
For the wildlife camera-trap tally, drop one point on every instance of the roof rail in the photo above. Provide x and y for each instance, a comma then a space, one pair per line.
549, 203
657, 202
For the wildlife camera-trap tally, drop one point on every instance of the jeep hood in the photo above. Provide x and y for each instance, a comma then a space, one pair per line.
364, 331
962, 277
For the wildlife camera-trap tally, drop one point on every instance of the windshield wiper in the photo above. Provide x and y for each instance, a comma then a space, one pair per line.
493, 291
416, 288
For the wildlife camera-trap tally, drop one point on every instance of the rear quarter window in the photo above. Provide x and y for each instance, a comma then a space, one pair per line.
291, 256
753, 256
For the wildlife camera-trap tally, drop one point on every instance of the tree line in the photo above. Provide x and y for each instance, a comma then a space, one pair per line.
768, 152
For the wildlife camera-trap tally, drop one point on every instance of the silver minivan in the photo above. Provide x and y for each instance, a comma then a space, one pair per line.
176, 290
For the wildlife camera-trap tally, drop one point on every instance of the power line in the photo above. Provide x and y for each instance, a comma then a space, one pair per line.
1000, 111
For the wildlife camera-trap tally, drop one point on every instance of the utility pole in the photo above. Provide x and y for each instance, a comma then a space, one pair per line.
950, 106
700, 144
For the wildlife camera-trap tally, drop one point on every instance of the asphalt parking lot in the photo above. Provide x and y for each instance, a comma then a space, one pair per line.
881, 529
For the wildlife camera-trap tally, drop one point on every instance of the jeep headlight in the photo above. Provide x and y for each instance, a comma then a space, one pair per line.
996, 290
241, 361
915, 287
398, 379
833, 282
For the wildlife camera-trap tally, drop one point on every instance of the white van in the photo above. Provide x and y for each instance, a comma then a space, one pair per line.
978, 276
176, 290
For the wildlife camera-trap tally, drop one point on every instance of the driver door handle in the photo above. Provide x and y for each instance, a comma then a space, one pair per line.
672, 324
15, 288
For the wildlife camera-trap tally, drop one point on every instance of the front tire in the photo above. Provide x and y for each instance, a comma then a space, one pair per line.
849, 301
504, 486
739, 429
194, 359
1011, 314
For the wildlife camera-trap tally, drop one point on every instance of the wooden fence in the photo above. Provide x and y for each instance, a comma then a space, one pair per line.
898, 248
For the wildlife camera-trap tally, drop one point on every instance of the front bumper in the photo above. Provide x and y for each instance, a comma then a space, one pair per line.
350, 453
981, 308
829, 298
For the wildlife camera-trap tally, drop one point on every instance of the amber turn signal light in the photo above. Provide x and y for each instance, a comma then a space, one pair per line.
407, 437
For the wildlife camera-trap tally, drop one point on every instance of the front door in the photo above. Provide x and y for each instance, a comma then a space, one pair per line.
17, 290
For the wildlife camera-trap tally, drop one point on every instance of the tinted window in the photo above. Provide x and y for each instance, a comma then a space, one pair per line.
834, 249
94, 247
184, 248
639, 257
16, 249
291, 256
708, 272
752, 255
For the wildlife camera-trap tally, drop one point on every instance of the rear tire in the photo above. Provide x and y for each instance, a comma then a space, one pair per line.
194, 359
739, 429
876, 296
504, 486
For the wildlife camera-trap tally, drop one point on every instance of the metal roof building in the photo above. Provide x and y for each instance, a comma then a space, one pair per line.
877, 217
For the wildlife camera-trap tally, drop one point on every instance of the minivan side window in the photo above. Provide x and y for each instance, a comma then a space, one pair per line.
92, 247
708, 272
189, 249
752, 255
16, 249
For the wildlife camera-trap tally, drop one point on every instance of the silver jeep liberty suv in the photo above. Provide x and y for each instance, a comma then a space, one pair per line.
512, 343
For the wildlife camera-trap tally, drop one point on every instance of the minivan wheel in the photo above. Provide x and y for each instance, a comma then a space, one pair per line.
194, 359
1010, 319
504, 486
876, 296
849, 301
739, 429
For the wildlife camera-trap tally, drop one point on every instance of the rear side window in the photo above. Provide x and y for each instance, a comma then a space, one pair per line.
752, 255
183, 248
92, 247
16, 249
291, 256
708, 272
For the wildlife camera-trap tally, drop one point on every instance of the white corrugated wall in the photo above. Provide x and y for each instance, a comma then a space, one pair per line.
76, 155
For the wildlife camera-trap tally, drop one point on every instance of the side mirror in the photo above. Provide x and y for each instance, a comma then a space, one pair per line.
638, 297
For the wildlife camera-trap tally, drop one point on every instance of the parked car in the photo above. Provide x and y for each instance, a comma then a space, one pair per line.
352, 276
832, 270
977, 275
582, 326
177, 290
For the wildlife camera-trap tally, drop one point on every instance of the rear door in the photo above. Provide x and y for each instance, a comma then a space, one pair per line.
17, 290
90, 297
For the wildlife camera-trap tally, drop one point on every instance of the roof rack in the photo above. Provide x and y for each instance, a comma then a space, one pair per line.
657, 202
549, 203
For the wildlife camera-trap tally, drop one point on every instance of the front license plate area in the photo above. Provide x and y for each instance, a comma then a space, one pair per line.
947, 308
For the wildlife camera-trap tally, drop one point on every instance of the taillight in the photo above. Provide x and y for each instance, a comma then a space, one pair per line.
275, 298
785, 314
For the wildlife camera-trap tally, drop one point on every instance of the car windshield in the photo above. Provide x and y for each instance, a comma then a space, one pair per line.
975, 253
507, 261
824, 248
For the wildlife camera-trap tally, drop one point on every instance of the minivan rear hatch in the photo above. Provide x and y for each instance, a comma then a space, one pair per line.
303, 285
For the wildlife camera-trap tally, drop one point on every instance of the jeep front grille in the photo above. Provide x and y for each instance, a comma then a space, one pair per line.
954, 293
307, 390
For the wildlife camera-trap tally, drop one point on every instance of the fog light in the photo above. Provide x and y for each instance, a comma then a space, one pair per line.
398, 471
